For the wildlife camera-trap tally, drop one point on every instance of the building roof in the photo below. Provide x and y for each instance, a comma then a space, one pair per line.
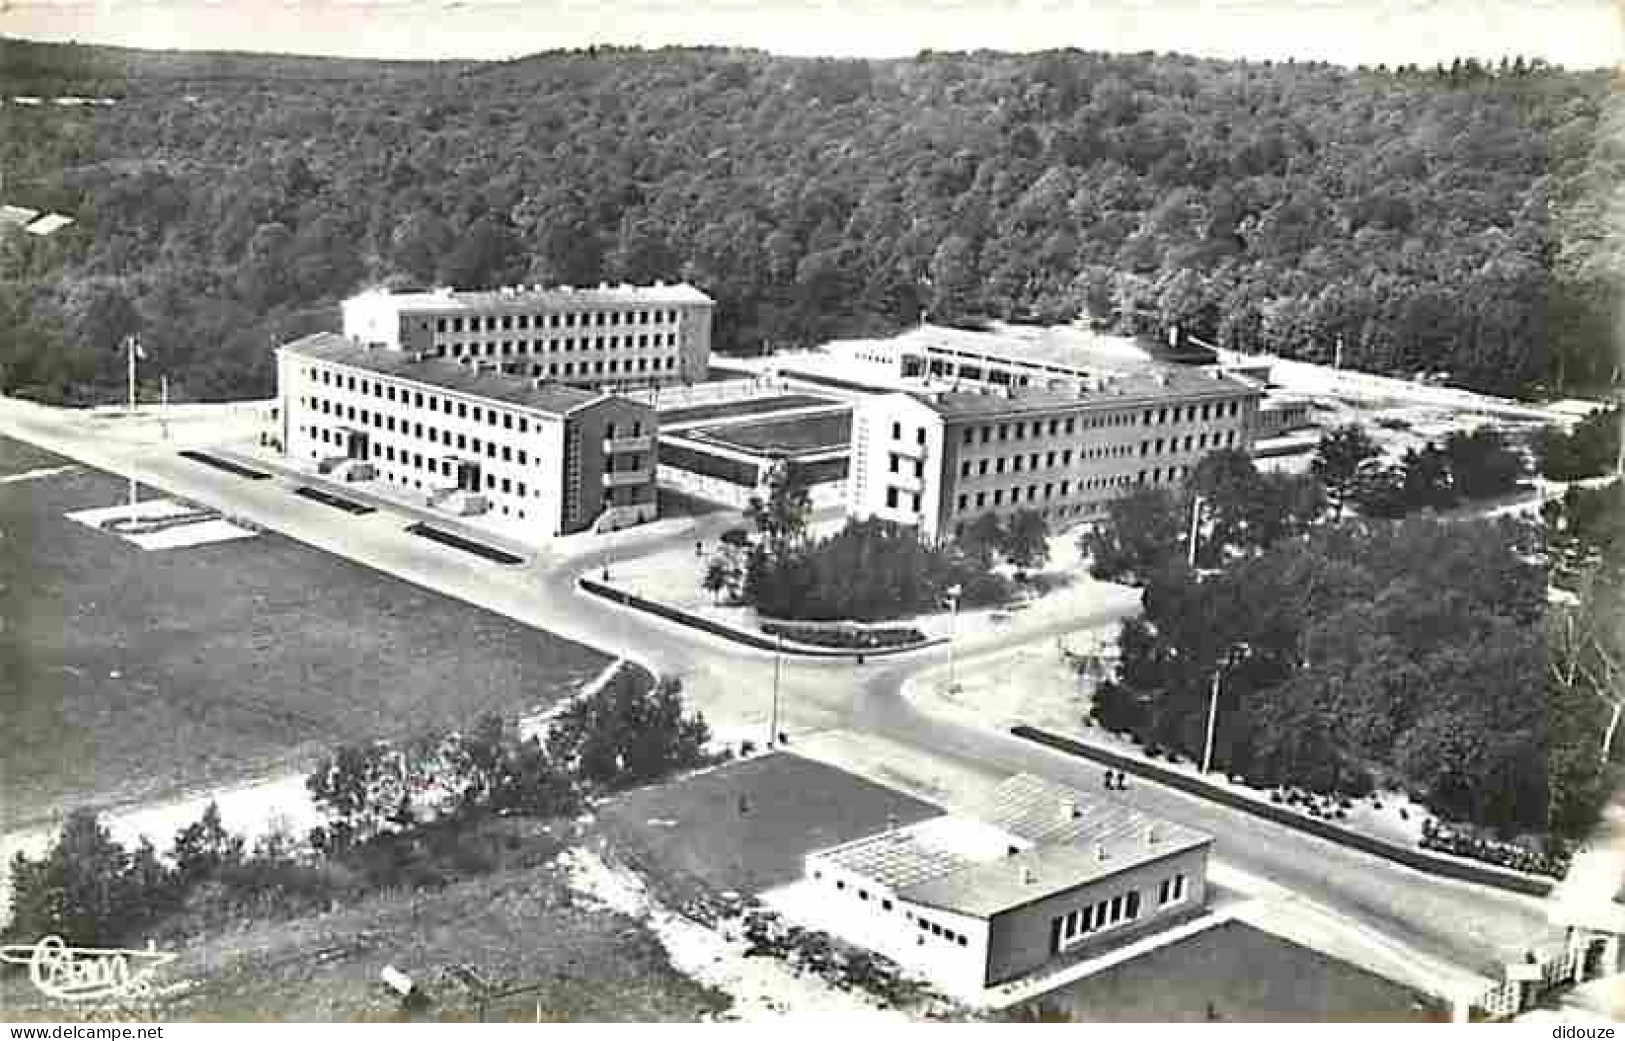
1127, 391
1030, 840
48, 224
1072, 348
452, 300
550, 398
16, 214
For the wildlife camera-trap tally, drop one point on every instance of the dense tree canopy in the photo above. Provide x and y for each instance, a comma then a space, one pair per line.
1412, 653
1440, 222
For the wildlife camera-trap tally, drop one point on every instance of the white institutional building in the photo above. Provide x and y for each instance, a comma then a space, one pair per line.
1042, 873
940, 456
609, 338
538, 458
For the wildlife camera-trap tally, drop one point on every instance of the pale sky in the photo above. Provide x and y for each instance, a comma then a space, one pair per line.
1574, 33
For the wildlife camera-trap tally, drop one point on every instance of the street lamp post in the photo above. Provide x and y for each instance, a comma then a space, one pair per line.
778, 664
1212, 720
1196, 523
953, 632
1213, 703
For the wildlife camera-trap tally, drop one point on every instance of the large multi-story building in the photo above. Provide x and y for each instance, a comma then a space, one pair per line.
939, 458
541, 457
1042, 873
612, 337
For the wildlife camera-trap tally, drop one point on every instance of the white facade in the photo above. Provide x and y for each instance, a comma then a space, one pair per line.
617, 338
940, 459
1043, 874
552, 460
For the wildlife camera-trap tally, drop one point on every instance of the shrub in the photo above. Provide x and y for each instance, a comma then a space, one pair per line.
846, 637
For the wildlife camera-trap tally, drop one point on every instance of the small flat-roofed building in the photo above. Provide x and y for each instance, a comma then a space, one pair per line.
611, 338
938, 459
548, 458
1041, 872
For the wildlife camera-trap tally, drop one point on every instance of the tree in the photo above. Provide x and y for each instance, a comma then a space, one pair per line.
1027, 539
1482, 464
1142, 533
781, 518
1338, 461
487, 254
204, 848
530, 783
360, 789
984, 538
718, 577
628, 732
81, 890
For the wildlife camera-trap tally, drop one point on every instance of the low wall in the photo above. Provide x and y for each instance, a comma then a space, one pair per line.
1460, 870
728, 632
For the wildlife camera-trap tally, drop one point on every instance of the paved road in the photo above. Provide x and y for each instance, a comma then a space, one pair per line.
1466, 925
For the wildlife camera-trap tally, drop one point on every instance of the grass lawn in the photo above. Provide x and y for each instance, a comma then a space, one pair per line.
1242, 974
519, 927
128, 674
749, 407
689, 838
798, 434
18, 457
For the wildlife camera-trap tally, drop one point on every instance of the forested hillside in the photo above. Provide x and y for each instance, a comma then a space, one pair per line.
1441, 220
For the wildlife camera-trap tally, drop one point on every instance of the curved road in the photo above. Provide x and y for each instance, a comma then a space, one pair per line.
1463, 924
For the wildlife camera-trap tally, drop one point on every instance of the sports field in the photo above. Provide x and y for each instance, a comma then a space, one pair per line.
127, 674
790, 436
730, 409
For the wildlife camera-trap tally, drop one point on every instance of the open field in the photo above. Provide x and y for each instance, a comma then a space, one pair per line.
17, 457
748, 407
690, 837
1236, 973
127, 674
799, 434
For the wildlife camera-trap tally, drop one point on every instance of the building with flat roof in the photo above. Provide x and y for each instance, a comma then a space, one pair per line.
938, 458
609, 338
548, 458
1040, 872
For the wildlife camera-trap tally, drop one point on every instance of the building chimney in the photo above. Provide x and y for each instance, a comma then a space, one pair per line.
1151, 836
1100, 851
1069, 810
1027, 875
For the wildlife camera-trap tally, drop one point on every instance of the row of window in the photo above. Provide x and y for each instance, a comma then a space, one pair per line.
1125, 907
434, 435
568, 345
925, 924
1069, 425
980, 467
628, 366
554, 320
1049, 491
432, 464
418, 399
1117, 910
